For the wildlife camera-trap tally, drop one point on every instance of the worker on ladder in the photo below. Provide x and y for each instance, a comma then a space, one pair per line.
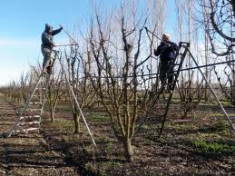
47, 47
167, 51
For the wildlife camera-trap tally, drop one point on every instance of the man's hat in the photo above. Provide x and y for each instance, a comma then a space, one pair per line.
48, 27
165, 37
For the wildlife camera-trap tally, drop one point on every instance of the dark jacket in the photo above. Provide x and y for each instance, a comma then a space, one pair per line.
47, 37
166, 50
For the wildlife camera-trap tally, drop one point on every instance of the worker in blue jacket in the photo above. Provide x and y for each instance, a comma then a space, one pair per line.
47, 47
167, 51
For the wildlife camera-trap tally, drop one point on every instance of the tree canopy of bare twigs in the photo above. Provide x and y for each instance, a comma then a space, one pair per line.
220, 19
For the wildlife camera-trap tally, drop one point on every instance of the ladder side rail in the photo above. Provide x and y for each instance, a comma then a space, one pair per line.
44, 96
213, 92
32, 94
26, 105
77, 103
180, 65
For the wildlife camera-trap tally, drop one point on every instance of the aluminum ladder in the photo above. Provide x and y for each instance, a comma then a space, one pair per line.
29, 118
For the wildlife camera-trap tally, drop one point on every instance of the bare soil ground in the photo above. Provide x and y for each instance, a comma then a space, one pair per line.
28, 154
189, 146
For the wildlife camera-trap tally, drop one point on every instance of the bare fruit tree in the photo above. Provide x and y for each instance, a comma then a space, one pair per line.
73, 63
78, 67
121, 57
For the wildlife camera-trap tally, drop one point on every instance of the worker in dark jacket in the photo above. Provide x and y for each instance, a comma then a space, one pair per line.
167, 51
47, 47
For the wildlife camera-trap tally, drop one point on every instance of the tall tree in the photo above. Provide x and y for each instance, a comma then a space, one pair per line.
220, 19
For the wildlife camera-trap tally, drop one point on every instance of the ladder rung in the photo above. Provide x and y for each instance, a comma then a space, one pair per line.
41, 88
30, 129
27, 130
33, 110
185, 43
30, 117
35, 103
29, 123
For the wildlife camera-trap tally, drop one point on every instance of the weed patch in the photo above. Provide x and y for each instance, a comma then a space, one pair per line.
61, 124
218, 127
99, 118
213, 148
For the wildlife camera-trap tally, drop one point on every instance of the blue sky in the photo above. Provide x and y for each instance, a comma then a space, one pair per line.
23, 21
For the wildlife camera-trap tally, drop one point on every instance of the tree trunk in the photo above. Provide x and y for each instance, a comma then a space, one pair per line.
52, 111
233, 5
128, 149
233, 94
76, 118
52, 116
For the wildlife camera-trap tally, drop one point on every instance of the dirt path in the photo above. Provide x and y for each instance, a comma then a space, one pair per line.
28, 154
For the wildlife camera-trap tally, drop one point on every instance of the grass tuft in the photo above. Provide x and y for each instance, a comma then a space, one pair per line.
99, 118
213, 148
